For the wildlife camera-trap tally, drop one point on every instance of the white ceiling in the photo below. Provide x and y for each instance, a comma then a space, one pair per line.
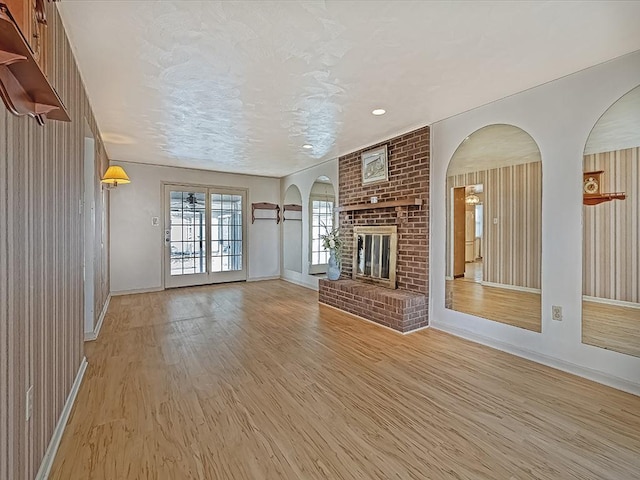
619, 127
492, 147
241, 86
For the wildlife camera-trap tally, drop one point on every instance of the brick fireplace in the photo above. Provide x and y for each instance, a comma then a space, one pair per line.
403, 202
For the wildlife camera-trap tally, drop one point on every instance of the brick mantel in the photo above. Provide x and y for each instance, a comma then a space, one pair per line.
408, 179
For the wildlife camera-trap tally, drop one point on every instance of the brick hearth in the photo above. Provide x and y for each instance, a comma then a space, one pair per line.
398, 309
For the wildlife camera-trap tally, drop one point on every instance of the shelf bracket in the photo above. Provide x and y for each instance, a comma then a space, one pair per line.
9, 58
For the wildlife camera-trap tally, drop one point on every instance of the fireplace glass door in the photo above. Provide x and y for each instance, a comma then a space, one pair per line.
374, 255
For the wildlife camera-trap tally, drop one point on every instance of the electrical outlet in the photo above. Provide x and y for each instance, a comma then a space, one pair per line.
556, 313
29, 403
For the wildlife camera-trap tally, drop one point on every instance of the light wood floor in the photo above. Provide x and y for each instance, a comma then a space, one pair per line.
513, 307
612, 327
257, 381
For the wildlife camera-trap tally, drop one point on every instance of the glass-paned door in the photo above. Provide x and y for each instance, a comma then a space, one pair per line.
203, 235
227, 253
321, 223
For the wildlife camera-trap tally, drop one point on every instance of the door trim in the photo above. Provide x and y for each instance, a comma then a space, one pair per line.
210, 189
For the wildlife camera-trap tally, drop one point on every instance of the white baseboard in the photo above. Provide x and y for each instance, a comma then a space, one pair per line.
511, 287
117, 293
50, 454
608, 301
301, 283
371, 321
553, 362
90, 336
416, 330
260, 279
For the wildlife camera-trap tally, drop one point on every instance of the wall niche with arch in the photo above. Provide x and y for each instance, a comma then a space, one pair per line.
322, 200
292, 229
494, 227
611, 229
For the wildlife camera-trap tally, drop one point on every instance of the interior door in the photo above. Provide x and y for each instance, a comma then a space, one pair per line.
458, 231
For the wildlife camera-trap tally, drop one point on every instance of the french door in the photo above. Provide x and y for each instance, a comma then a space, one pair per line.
204, 235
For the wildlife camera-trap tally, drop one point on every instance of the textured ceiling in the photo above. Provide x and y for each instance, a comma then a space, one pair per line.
241, 86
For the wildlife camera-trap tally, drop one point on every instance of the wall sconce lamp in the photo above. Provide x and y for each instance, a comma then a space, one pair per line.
114, 176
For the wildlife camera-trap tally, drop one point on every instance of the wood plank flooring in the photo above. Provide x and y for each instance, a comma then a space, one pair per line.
257, 381
513, 307
612, 327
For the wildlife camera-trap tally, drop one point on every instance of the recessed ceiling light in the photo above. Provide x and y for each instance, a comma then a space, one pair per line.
379, 111
307, 146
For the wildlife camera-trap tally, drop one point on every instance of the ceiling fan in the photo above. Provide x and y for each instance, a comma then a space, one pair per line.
192, 201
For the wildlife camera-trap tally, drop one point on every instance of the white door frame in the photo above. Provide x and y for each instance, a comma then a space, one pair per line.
170, 281
89, 210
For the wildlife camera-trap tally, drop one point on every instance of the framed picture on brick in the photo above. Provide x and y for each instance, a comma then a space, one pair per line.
375, 165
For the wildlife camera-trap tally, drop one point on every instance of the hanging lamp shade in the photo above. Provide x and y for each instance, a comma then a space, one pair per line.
114, 175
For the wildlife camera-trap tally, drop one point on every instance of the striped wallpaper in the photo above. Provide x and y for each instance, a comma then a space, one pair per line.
611, 236
512, 247
41, 255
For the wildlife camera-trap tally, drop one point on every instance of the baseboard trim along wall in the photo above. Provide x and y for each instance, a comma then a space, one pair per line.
608, 301
511, 287
261, 279
118, 293
50, 454
553, 362
301, 282
90, 336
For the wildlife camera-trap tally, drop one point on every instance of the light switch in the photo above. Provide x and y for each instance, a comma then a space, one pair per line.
155, 221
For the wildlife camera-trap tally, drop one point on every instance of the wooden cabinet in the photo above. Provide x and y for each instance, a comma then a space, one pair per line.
24, 87
31, 18
20, 12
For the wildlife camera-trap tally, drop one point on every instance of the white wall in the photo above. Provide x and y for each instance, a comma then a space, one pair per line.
137, 247
304, 180
292, 233
559, 117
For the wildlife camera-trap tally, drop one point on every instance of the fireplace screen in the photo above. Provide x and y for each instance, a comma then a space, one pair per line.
374, 254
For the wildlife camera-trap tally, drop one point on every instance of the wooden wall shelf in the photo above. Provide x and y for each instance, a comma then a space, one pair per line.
407, 202
592, 195
604, 197
265, 206
291, 207
24, 88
